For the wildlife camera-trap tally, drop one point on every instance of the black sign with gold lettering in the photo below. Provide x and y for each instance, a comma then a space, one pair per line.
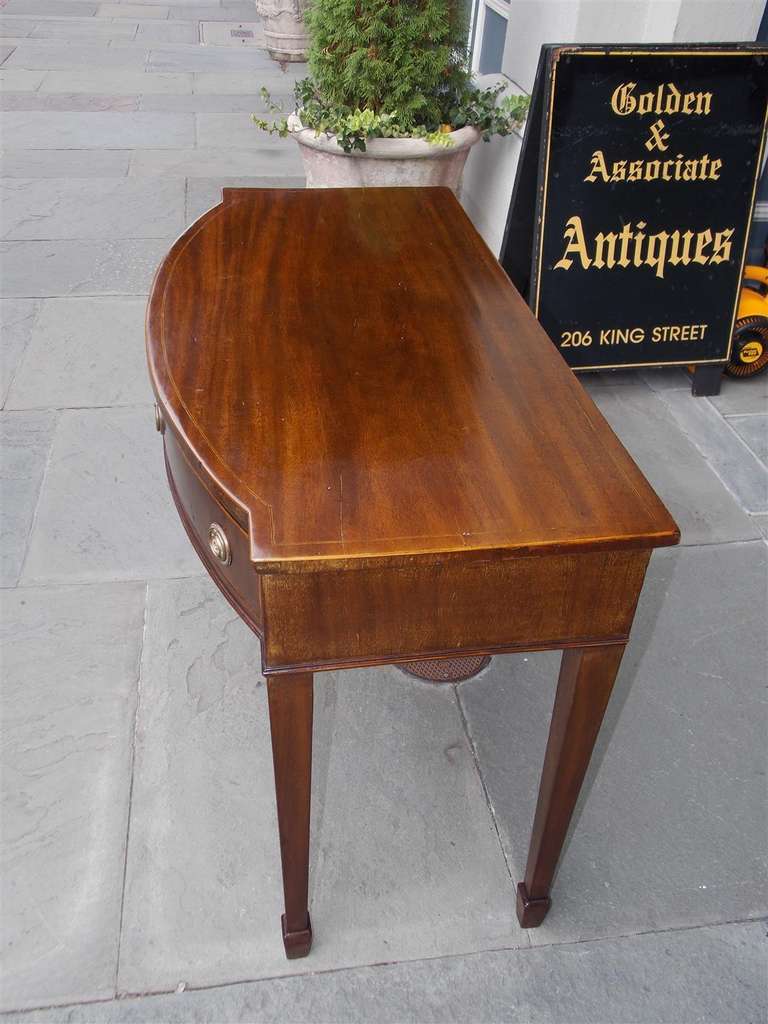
628, 225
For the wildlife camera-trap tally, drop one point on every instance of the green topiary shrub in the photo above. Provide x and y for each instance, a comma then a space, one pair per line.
393, 69
409, 56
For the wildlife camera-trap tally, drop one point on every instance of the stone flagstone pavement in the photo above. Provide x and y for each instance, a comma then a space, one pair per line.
140, 873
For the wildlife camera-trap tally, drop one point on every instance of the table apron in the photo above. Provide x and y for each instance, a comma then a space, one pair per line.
364, 617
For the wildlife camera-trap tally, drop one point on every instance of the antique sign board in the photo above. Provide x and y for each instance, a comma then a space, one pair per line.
628, 225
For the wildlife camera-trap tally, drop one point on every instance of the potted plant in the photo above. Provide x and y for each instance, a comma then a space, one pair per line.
285, 33
390, 98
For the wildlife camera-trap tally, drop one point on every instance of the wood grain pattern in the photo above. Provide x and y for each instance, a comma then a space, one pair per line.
382, 390
344, 618
290, 720
583, 690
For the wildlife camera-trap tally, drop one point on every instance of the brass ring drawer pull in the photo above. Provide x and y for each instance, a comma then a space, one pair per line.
218, 543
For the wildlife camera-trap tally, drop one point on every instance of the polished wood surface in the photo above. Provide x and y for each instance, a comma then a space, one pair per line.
380, 458
290, 720
586, 680
345, 619
381, 388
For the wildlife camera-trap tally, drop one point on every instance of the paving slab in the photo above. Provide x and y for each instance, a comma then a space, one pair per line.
670, 828
742, 395
84, 352
40, 45
237, 131
65, 267
56, 17
153, 32
191, 4
118, 83
84, 28
753, 430
704, 509
761, 521
52, 55
243, 11
55, 130
739, 468
86, 531
56, 8
69, 681
5, 53
132, 11
65, 163
17, 317
665, 378
65, 101
703, 975
176, 47
170, 3
20, 81
15, 27
405, 860
26, 441
226, 103
108, 208
217, 58
268, 161
279, 83
204, 193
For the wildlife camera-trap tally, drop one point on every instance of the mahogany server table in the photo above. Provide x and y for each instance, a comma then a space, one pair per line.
380, 457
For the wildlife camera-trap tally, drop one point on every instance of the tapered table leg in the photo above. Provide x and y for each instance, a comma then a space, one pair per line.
586, 679
290, 719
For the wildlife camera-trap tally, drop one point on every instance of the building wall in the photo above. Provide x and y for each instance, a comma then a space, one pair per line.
490, 172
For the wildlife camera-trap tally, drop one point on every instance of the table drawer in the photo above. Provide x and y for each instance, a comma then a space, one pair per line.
219, 540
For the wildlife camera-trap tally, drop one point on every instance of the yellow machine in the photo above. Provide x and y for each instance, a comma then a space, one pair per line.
749, 352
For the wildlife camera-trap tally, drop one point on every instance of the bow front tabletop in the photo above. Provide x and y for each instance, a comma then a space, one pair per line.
380, 456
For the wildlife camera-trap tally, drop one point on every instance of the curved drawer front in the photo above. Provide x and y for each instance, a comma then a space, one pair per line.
220, 542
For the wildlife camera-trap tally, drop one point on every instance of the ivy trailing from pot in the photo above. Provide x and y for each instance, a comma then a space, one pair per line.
392, 69
482, 109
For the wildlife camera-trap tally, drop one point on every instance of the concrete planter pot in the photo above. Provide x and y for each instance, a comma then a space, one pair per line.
285, 34
385, 161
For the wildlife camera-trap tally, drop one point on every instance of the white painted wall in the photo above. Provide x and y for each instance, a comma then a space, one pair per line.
490, 172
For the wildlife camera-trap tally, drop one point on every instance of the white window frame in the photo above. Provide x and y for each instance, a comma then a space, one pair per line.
478, 26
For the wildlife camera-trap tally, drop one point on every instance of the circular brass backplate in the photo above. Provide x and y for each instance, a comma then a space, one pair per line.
218, 543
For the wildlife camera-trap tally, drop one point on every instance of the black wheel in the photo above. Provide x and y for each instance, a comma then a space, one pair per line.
749, 353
